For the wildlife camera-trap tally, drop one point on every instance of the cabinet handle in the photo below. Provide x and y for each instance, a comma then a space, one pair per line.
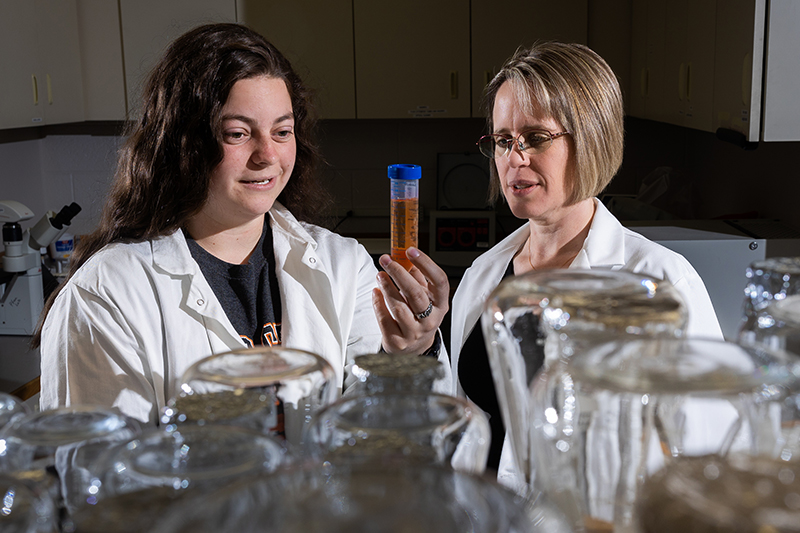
454, 85
682, 81
49, 91
688, 82
487, 77
35, 90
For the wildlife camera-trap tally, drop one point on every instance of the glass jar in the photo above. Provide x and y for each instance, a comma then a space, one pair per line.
428, 428
769, 280
771, 314
11, 407
276, 390
604, 420
25, 507
383, 372
358, 498
542, 317
66, 440
186, 457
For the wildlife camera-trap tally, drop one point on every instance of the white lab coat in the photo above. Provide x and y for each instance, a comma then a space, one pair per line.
132, 320
609, 245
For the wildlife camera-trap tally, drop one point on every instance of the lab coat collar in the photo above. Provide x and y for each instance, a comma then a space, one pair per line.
604, 247
171, 253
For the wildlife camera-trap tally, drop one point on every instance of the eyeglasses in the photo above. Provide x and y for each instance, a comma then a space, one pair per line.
531, 142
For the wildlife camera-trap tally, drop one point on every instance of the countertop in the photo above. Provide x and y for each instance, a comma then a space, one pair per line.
18, 363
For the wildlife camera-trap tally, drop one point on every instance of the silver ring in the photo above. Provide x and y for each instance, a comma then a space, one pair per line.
426, 313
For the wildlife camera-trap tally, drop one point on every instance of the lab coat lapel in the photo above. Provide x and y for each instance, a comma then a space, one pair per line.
307, 300
604, 247
171, 256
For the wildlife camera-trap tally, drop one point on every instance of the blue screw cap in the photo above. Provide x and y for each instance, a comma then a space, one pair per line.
405, 172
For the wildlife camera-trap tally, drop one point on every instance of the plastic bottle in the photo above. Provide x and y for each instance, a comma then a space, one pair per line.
405, 210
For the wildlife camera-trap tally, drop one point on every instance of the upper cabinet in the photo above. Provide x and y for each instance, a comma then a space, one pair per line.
368, 59
317, 37
40, 63
717, 64
412, 58
497, 33
148, 26
739, 66
101, 60
782, 72
672, 61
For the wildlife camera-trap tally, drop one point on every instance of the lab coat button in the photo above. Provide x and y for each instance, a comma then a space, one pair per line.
312, 260
200, 301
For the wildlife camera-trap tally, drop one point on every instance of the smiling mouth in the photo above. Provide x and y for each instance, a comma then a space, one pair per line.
523, 186
259, 182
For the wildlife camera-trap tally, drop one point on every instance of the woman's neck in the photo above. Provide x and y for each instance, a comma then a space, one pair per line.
555, 243
232, 245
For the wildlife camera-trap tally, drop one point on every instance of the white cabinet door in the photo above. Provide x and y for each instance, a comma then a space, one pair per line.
782, 73
498, 30
148, 26
412, 58
40, 63
317, 37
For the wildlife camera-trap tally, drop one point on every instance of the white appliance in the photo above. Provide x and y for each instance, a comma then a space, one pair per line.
721, 254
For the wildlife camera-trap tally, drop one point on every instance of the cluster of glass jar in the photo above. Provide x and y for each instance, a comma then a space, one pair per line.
260, 440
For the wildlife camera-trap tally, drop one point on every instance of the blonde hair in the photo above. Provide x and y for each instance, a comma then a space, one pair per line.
573, 85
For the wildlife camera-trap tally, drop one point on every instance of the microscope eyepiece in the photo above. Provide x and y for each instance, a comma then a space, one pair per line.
12, 232
65, 216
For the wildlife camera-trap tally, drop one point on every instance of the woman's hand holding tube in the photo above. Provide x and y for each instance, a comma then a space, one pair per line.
410, 305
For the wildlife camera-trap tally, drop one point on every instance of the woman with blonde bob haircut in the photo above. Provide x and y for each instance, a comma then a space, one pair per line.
575, 86
555, 118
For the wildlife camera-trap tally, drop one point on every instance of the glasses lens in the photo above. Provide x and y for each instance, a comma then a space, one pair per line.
536, 142
487, 146
490, 147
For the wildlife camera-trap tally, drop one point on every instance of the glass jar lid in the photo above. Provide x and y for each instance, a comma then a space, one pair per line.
218, 407
651, 365
574, 300
714, 493
68, 425
257, 367
188, 454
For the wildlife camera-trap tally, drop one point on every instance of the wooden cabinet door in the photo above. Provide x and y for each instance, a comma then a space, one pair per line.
18, 65
738, 66
317, 37
498, 29
412, 58
40, 63
653, 92
101, 60
148, 26
61, 83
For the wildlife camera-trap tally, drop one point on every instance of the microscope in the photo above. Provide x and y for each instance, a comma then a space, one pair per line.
21, 282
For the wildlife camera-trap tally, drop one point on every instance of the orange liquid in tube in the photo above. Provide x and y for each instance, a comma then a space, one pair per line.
405, 214
405, 210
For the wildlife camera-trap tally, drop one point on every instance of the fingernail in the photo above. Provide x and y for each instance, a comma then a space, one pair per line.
385, 260
412, 252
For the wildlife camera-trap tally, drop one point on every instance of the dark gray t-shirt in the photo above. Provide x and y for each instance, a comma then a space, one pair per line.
248, 293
